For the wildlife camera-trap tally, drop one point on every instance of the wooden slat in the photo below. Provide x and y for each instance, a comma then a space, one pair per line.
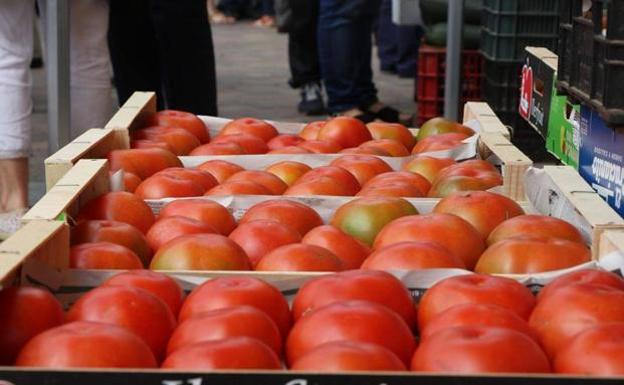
484, 114
132, 115
611, 241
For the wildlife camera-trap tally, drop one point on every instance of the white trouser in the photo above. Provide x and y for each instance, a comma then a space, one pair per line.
90, 72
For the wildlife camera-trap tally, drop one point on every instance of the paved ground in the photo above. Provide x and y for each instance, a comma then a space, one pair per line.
252, 72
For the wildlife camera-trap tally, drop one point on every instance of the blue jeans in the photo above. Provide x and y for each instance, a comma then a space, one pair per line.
345, 46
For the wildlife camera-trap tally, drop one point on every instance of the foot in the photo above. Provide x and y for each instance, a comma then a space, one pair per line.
10, 222
388, 114
312, 99
221, 18
357, 113
388, 69
265, 21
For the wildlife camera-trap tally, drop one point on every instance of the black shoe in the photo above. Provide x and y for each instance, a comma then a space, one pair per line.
312, 100
36, 62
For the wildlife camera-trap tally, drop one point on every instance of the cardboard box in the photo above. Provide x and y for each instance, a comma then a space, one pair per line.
563, 139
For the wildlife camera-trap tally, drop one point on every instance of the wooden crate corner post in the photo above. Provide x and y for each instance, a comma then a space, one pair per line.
132, 114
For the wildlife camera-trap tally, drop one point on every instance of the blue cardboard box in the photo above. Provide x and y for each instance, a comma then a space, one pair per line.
601, 157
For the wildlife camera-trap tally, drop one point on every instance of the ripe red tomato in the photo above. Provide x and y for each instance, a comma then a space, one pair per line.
539, 225
365, 150
232, 353
572, 309
160, 285
239, 187
261, 236
168, 186
284, 140
87, 345
220, 169
294, 214
439, 142
480, 349
341, 177
362, 167
185, 120
437, 126
130, 181
202, 178
119, 206
223, 292
220, 324
251, 126
443, 187
393, 147
170, 228
200, 252
475, 288
596, 351
416, 180
598, 277
412, 256
203, 210
427, 166
134, 309
271, 182
359, 321
179, 140
395, 131
142, 162
290, 150
345, 131
391, 189
26, 312
320, 185
220, 148
251, 144
320, 146
343, 356
300, 257
115, 232
288, 171
103, 255
447, 230
374, 286
351, 251
311, 130
147, 143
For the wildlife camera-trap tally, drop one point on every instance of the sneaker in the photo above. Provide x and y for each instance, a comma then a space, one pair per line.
10, 222
312, 99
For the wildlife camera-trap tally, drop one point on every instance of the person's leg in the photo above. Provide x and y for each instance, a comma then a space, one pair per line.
408, 38
133, 49
186, 55
387, 38
16, 46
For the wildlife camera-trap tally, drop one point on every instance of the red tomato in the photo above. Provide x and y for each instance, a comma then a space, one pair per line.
427, 166
203, 210
134, 309
475, 288
597, 277
539, 225
103, 255
359, 321
290, 150
239, 187
233, 353
300, 257
26, 312
351, 251
271, 182
142, 162
160, 285
374, 286
170, 228
391, 189
147, 143
221, 148
87, 345
202, 178
221, 324
345, 131
261, 236
366, 150
200, 252
294, 214
395, 131
311, 130
320, 146
478, 169
363, 167
437, 126
251, 126
320, 185
412, 256
439, 143
443, 187
220, 169
251, 144
341, 177
284, 140
186, 120
223, 292
343, 356
480, 349
418, 181
179, 140
393, 147
289, 172
168, 186
131, 181
119, 206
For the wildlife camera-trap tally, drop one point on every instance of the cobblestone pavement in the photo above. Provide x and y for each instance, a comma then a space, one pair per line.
252, 73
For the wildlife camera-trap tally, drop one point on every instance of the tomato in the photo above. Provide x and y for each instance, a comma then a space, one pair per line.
185, 120
480, 349
219, 148
220, 169
475, 288
343, 356
391, 189
571, 309
272, 183
427, 166
223, 292
284, 140
261, 236
539, 225
362, 167
251, 144
220, 324
200, 252
439, 143
290, 150
348, 249
202, 178
447, 230
597, 351
395, 131
134, 309
366, 150
26, 312
179, 140
233, 353
489, 178
531, 254
103, 255
87, 345
412, 256
358, 321
294, 214
300, 257
437, 126
170, 228
166, 186
472, 164
374, 286
160, 285
250, 126
288, 171
311, 130
443, 187
476, 314
119, 206
484, 210
418, 181
147, 143
142, 162
319, 185
320, 146
130, 181
203, 210
115, 232
342, 178
239, 187
393, 147
598, 277
345, 131
363, 218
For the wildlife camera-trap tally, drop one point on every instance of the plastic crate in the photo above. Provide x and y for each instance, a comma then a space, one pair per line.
510, 46
522, 5
501, 96
568, 10
522, 23
503, 73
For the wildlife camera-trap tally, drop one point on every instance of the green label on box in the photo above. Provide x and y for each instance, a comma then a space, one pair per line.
563, 136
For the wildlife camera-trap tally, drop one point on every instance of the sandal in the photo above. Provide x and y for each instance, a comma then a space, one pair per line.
356, 113
221, 18
388, 114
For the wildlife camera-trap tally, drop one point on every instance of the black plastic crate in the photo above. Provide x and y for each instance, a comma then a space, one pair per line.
501, 96
522, 5
583, 57
510, 46
533, 22
568, 10
504, 73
